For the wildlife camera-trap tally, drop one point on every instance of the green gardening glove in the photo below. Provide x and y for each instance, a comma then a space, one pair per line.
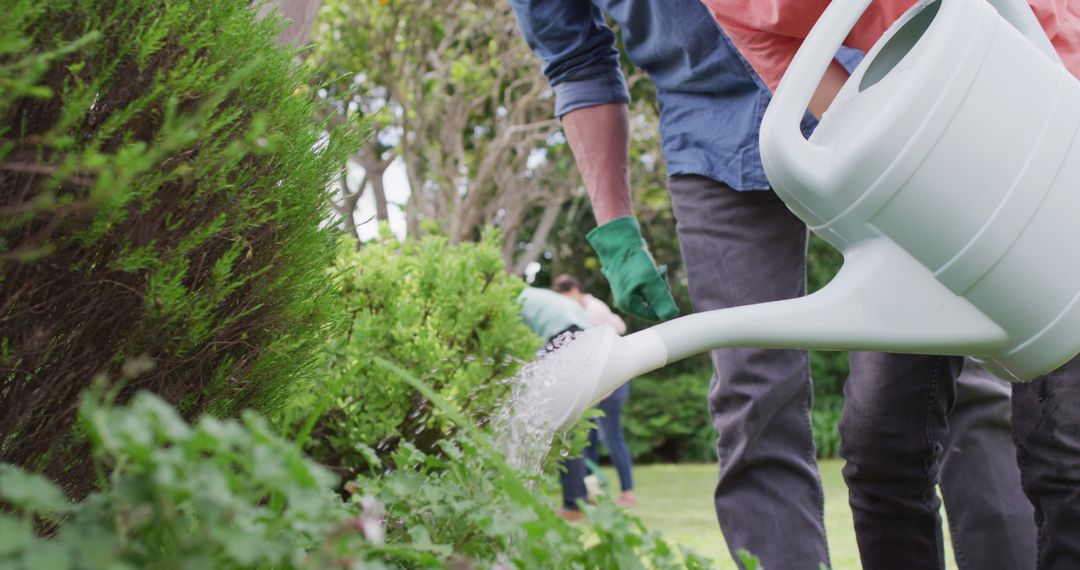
638, 286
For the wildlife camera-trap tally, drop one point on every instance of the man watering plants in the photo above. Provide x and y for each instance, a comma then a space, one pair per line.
741, 245
892, 465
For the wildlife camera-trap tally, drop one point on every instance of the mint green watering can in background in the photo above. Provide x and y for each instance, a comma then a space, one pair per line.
947, 174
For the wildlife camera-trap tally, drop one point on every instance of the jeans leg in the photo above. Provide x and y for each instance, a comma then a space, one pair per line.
612, 434
572, 481
741, 248
1046, 427
990, 519
592, 450
891, 435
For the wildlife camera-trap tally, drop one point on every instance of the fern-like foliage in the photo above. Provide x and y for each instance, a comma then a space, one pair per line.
162, 184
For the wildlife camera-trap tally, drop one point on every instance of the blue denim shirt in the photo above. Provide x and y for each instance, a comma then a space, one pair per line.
711, 100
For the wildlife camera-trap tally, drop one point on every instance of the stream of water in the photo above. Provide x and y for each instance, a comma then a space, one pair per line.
524, 428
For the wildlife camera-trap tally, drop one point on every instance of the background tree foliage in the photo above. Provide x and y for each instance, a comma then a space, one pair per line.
451, 89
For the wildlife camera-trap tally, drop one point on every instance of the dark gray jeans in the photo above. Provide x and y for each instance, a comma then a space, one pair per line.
896, 425
746, 247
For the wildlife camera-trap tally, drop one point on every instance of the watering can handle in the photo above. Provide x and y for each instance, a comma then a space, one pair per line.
1020, 15
781, 138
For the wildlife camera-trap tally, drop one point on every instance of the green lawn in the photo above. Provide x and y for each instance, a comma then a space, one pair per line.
676, 500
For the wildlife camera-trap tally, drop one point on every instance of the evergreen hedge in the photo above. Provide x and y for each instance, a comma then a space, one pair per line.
162, 185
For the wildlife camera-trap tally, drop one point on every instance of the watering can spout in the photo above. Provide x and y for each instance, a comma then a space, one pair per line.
882, 300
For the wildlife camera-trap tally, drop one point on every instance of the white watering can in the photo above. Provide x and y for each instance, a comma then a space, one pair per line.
945, 171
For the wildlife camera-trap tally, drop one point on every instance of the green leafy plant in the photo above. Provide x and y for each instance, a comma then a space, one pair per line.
749, 561
826, 420
448, 313
164, 187
232, 494
492, 514
217, 494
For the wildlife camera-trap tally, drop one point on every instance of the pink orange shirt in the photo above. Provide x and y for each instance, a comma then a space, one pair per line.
769, 32
600, 314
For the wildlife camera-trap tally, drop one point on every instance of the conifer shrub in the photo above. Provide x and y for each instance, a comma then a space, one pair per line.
446, 313
162, 185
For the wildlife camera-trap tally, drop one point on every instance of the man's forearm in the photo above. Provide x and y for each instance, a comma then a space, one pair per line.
599, 137
830, 85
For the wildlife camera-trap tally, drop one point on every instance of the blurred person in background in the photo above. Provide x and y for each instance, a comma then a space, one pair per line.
554, 317
608, 428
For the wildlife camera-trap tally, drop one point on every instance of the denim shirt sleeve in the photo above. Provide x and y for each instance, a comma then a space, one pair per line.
578, 51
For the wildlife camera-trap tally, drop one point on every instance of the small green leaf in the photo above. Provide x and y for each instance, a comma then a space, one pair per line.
30, 491
47, 556
749, 561
15, 534
369, 455
244, 548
